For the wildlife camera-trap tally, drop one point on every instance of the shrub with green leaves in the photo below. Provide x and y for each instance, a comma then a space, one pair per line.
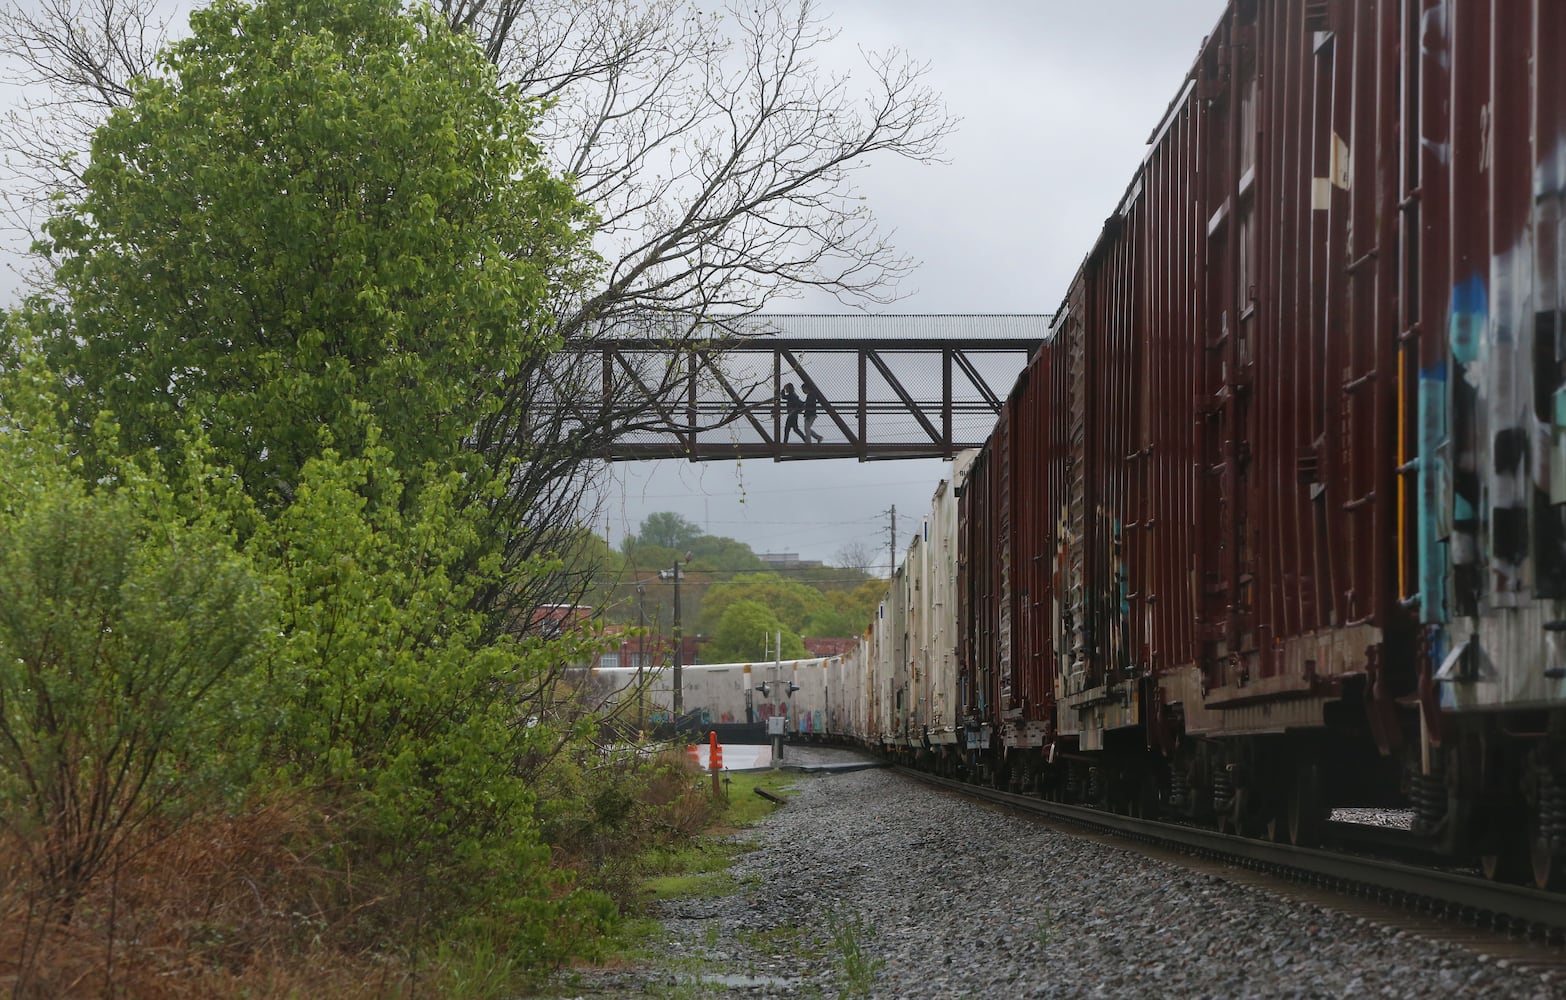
129, 627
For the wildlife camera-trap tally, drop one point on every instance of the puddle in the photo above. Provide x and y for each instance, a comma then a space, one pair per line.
749, 982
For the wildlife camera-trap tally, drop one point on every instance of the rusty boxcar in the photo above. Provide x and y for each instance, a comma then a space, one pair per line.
1276, 519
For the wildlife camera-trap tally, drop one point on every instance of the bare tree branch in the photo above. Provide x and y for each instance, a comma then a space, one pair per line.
72, 61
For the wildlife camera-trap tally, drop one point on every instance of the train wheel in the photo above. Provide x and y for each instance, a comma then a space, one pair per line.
1306, 815
1503, 855
1000, 774
1548, 864
1501, 865
1147, 805
1229, 819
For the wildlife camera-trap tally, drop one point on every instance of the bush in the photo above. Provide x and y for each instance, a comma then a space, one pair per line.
127, 633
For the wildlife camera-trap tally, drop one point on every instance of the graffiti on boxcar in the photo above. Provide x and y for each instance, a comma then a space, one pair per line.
1122, 599
1549, 332
1508, 415
1063, 626
1468, 317
1435, 517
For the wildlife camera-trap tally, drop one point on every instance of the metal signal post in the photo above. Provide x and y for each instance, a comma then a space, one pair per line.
679, 642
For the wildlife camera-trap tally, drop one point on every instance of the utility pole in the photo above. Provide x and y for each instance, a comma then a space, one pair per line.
891, 563
641, 657
679, 694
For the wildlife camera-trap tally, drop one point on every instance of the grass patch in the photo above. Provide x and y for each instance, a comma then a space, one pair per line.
787, 940
701, 885
699, 868
745, 807
692, 858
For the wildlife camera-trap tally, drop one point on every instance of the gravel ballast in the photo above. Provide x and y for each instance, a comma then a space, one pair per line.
869, 884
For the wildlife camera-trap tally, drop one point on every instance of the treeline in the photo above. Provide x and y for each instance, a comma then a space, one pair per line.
731, 601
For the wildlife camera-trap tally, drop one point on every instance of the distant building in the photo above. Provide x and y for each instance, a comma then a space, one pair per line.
619, 649
646, 650
829, 647
788, 560
554, 620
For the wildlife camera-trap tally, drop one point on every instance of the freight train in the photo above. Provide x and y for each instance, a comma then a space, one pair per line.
1274, 521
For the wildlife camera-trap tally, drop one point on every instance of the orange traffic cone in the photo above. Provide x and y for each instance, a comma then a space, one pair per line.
690, 753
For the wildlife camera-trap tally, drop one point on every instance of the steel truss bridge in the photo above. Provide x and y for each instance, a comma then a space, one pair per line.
892, 387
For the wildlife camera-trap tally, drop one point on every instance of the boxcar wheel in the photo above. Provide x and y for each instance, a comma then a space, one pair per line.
1305, 811
1549, 866
1147, 805
1503, 857
1000, 774
1229, 819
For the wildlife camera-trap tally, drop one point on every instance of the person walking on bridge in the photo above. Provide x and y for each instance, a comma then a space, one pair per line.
794, 407
812, 402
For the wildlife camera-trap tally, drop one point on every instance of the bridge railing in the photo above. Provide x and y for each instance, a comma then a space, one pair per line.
890, 387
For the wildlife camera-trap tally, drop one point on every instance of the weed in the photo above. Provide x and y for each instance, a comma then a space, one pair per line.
476, 968
858, 966
783, 939
1044, 930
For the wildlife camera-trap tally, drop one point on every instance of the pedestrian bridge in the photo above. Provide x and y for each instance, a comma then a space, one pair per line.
892, 386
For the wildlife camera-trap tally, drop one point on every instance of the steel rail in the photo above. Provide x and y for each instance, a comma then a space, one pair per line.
1524, 907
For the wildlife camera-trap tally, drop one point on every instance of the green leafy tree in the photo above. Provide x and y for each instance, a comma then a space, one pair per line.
582, 549
741, 635
321, 243
384, 692
793, 603
666, 530
848, 612
324, 214
718, 554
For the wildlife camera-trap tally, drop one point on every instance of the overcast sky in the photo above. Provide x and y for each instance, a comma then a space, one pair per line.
1057, 99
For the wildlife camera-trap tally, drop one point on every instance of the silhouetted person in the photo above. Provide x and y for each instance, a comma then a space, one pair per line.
812, 401
795, 407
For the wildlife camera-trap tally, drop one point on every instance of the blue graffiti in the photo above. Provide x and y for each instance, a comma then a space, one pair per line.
1470, 314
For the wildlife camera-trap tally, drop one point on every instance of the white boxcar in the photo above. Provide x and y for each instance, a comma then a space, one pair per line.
721, 693
938, 633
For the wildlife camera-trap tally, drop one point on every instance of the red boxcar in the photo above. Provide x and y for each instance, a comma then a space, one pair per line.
1276, 519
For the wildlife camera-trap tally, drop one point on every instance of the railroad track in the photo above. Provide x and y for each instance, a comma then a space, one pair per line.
1534, 919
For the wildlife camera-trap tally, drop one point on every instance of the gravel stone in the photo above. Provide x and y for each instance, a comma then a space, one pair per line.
869, 884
